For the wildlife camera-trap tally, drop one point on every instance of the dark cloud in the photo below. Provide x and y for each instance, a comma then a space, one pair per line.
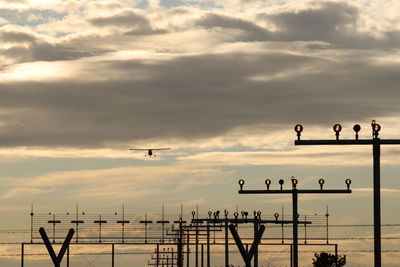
195, 96
331, 22
137, 24
26, 47
334, 23
249, 30
16, 37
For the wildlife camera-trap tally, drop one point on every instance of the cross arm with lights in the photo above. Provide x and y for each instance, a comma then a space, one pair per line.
376, 143
295, 192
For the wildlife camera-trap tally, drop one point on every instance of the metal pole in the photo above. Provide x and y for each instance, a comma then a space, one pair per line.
291, 255
377, 202
197, 247
208, 246
202, 256
158, 255
226, 245
22, 255
305, 230
180, 246
32, 223
255, 261
295, 233
112, 255
336, 255
188, 249
68, 256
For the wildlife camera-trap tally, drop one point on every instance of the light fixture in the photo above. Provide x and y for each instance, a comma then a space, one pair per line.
241, 183
294, 182
276, 215
348, 183
281, 182
298, 129
267, 182
236, 214
376, 128
337, 128
209, 214
321, 183
193, 213
357, 128
226, 213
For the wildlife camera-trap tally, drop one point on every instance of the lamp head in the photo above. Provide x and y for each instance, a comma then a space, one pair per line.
337, 128
298, 128
294, 181
376, 127
348, 182
267, 181
241, 182
236, 214
281, 181
321, 181
357, 128
276, 215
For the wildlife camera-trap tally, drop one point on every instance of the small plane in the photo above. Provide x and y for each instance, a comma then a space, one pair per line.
150, 150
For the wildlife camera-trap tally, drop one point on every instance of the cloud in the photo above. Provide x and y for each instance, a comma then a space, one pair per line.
138, 98
136, 23
112, 184
248, 30
335, 23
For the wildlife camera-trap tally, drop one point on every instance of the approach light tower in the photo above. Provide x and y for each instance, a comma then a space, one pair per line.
376, 143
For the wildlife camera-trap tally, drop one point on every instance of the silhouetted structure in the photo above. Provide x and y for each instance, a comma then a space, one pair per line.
376, 143
294, 192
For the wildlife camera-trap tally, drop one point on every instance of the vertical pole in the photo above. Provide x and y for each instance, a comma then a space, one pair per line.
208, 245
305, 230
145, 229
255, 259
172, 257
336, 255
158, 255
123, 223
188, 248
100, 229
283, 233
22, 255
112, 255
68, 256
226, 245
377, 202
32, 223
202, 256
295, 224
197, 247
327, 225
162, 225
168, 259
180, 245
291, 255
77, 224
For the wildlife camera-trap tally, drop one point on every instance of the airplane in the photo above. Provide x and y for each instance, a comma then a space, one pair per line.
150, 150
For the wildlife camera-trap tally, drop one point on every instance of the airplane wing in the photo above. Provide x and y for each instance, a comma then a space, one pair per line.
164, 148
144, 149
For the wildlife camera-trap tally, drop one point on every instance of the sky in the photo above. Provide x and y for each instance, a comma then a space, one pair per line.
221, 82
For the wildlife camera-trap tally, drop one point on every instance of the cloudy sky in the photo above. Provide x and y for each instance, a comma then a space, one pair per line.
221, 82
